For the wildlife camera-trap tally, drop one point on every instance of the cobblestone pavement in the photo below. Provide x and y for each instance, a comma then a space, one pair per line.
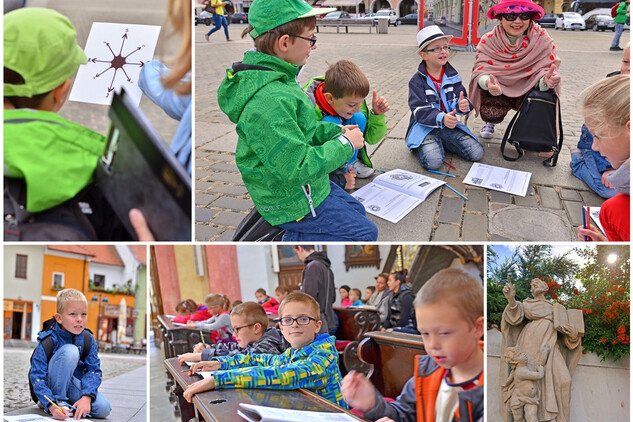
549, 212
17, 364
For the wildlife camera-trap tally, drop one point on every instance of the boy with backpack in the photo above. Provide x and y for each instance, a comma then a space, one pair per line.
284, 154
65, 367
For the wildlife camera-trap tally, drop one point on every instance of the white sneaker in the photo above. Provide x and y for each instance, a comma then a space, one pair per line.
487, 131
362, 171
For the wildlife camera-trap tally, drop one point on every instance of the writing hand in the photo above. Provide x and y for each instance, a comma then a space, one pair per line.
462, 103
58, 415
592, 233
493, 86
379, 105
450, 119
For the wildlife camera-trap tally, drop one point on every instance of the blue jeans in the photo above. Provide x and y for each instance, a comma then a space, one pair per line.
357, 118
66, 387
339, 217
619, 28
586, 169
220, 21
431, 150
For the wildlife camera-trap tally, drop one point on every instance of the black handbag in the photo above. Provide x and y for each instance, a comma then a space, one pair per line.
537, 126
253, 228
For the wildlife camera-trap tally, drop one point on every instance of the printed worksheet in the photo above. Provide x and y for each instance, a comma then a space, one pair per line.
34, 418
116, 53
502, 179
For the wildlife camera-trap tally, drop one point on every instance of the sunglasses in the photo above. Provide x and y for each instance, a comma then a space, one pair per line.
438, 50
312, 41
511, 17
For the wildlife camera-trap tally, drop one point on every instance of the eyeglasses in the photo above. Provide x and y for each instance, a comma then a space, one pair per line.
511, 17
312, 41
236, 330
302, 320
438, 50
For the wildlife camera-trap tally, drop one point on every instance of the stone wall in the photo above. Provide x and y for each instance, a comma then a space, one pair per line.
600, 390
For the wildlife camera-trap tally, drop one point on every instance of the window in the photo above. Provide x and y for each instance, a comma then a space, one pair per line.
99, 281
20, 266
58, 281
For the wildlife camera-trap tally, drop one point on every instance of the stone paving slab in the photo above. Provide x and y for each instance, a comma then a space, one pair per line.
540, 215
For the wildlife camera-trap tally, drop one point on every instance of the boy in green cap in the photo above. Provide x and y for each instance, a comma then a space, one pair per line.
45, 155
283, 152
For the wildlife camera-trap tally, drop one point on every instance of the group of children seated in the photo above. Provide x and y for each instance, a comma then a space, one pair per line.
449, 314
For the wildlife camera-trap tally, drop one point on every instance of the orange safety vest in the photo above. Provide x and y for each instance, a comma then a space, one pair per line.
427, 389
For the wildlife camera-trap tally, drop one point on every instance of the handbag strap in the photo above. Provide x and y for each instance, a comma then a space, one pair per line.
551, 162
507, 133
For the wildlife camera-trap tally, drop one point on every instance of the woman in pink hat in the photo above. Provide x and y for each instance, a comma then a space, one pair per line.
516, 56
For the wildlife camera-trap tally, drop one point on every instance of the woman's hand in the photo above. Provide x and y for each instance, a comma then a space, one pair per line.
552, 77
493, 86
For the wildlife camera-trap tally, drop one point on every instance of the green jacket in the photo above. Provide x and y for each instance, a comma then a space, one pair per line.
376, 126
55, 157
283, 152
621, 16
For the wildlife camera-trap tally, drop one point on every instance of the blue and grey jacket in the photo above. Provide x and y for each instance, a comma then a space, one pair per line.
88, 372
271, 342
424, 101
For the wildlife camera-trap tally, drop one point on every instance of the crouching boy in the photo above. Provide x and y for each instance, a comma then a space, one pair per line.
69, 375
448, 382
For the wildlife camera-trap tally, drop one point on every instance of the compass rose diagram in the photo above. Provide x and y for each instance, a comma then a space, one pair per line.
117, 63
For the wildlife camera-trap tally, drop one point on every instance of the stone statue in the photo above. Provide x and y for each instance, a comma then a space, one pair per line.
541, 348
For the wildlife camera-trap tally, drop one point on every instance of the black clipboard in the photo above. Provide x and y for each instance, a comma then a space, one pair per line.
137, 170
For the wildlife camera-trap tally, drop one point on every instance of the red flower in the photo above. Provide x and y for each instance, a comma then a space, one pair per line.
614, 342
603, 340
589, 311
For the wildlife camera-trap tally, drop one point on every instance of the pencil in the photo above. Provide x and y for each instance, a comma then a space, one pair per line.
450, 165
584, 223
202, 337
87, 415
439, 172
56, 407
455, 190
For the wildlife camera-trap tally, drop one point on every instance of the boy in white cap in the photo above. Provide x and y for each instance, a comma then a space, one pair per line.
436, 97
51, 157
283, 152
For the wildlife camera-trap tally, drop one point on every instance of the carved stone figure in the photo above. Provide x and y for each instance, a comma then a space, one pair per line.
550, 337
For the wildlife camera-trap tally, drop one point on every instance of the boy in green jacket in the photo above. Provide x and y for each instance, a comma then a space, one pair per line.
339, 97
283, 152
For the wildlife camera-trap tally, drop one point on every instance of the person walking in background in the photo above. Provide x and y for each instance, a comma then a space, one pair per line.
219, 20
621, 17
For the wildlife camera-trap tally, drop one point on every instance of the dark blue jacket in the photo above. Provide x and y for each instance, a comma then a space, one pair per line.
88, 371
424, 101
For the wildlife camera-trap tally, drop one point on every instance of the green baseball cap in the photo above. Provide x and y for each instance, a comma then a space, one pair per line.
265, 15
41, 45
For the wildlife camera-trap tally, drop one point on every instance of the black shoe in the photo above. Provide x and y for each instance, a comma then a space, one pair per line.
616, 49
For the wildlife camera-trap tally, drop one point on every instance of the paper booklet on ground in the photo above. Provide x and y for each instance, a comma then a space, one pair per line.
254, 413
498, 178
396, 193
595, 216
35, 418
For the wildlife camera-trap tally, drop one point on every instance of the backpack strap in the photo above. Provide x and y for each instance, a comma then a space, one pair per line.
507, 134
87, 345
551, 162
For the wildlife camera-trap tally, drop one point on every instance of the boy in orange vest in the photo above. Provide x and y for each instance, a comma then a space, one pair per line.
448, 382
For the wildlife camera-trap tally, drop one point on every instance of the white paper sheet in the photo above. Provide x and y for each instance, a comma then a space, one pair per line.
594, 212
116, 53
252, 412
498, 178
35, 418
386, 203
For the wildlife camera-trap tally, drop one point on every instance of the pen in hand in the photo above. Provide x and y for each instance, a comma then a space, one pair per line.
56, 407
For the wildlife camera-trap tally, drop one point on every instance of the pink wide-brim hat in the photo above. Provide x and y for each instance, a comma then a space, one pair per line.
515, 6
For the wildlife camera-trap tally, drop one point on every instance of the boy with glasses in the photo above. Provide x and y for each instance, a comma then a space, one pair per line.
284, 154
250, 330
436, 97
311, 362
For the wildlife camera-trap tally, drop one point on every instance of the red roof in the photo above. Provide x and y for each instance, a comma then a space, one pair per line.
102, 254
140, 252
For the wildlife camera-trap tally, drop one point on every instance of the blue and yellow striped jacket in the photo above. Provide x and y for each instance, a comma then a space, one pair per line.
313, 367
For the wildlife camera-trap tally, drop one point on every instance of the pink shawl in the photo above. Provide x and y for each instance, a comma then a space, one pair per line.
519, 67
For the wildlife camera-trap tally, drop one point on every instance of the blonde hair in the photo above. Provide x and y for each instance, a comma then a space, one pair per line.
252, 312
607, 103
179, 18
304, 298
345, 78
456, 288
215, 300
66, 295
